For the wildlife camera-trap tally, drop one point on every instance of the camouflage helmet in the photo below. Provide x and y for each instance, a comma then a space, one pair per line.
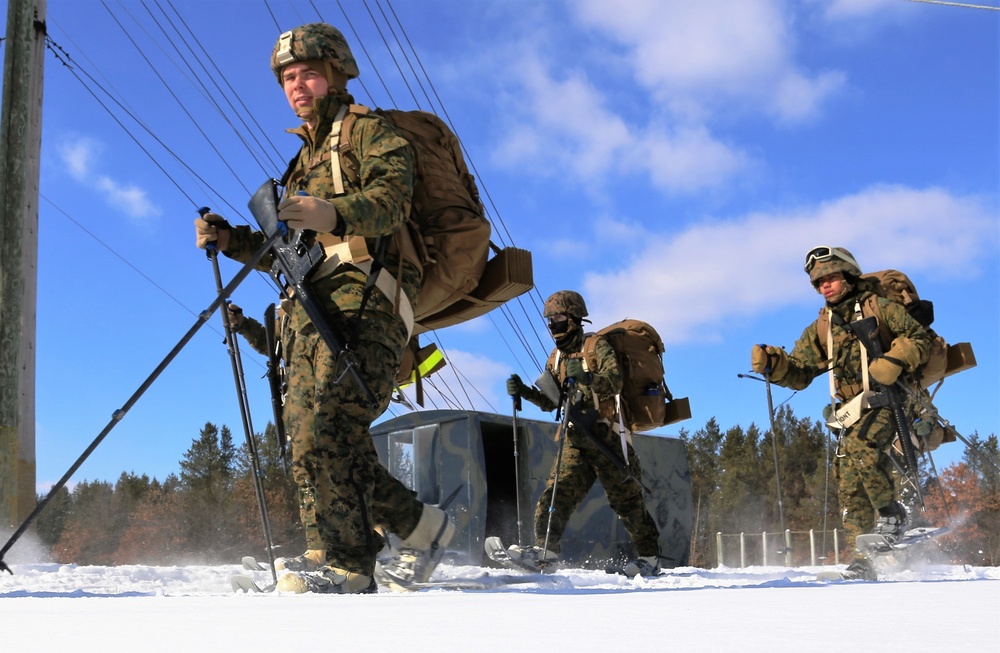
314, 42
566, 302
824, 260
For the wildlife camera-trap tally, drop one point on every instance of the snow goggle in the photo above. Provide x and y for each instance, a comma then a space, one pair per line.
826, 253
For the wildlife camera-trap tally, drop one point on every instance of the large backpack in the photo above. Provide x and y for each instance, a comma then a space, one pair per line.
645, 400
447, 225
894, 285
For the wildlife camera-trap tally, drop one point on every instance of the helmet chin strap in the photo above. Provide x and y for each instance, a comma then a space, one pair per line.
846, 289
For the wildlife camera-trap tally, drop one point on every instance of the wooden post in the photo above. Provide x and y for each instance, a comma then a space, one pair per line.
20, 150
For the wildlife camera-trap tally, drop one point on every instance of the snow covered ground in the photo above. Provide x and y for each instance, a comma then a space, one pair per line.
53, 607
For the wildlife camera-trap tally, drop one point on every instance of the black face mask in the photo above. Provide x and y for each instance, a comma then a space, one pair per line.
557, 328
564, 332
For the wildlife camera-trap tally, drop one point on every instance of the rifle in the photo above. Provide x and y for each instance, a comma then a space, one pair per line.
292, 262
584, 420
274, 379
867, 332
567, 391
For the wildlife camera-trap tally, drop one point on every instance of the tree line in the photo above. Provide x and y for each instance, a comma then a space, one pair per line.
735, 490
208, 513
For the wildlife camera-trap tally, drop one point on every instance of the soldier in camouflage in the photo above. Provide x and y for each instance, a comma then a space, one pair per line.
344, 492
866, 486
580, 462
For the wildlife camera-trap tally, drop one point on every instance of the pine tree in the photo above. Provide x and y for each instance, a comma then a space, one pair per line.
280, 495
703, 463
50, 522
206, 477
156, 532
86, 538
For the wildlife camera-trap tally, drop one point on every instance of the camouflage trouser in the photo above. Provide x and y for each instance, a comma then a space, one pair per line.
582, 464
864, 471
344, 492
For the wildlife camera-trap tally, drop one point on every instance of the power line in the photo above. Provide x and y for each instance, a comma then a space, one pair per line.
391, 39
957, 4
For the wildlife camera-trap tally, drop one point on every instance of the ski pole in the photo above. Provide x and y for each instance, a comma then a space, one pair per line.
561, 432
236, 361
517, 463
120, 413
774, 444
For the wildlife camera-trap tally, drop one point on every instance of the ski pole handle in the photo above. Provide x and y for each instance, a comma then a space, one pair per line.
210, 248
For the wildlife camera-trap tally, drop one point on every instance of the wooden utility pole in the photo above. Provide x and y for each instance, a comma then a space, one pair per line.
20, 151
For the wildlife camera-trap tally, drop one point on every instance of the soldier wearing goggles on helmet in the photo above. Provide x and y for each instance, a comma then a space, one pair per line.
866, 487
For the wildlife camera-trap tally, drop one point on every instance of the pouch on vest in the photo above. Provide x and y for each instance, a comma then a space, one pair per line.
848, 414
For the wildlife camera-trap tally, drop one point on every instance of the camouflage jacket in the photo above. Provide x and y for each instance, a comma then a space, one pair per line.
377, 205
599, 393
808, 358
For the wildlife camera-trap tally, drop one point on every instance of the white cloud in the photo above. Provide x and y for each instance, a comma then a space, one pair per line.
701, 57
795, 97
131, 200
79, 156
688, 160
567, 126
692, 284
683, 67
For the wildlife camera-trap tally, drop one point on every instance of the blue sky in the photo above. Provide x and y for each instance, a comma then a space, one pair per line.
672, 161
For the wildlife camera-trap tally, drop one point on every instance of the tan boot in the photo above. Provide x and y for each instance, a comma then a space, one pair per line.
420, 552
311, 560
326, 580
535, 558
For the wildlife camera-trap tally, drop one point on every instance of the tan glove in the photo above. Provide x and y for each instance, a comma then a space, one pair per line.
211, 228
885, 370
902, 355
773, 361
236, 317
307, 212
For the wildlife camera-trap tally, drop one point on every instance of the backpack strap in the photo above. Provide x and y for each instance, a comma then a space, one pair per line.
346, 161
827, 315
343, 162
334, 139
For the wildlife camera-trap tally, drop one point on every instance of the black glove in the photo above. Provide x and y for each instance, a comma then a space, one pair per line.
575, 371
514, 386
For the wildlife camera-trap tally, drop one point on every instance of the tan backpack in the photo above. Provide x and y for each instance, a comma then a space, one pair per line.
894, 285
447, 225
645, 401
